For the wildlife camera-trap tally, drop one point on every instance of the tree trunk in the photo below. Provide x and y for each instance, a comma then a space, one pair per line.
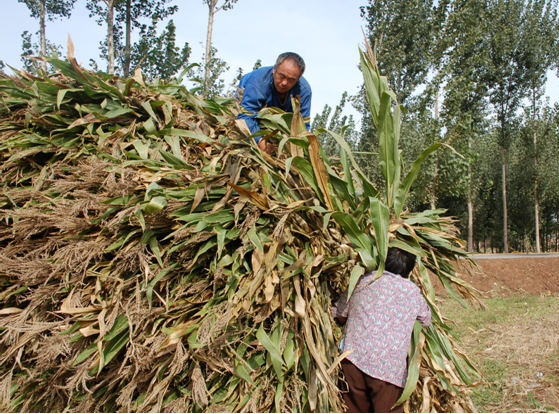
42, 25
536, 201
470, 224
505, 218
211, 7
127, 49
436, 175
110, 37
470, 205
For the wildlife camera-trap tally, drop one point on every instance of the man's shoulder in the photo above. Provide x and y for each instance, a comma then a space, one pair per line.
304, 86
258, 76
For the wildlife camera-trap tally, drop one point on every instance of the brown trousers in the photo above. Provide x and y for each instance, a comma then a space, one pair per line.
367, 394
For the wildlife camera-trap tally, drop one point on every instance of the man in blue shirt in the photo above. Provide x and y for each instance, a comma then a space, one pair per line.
273, 86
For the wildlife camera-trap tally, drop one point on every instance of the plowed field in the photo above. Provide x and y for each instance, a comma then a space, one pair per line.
514, 276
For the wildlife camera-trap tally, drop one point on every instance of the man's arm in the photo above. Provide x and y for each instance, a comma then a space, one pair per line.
306, 108
252, 101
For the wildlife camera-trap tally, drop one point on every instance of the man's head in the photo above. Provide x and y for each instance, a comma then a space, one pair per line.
287, 71
400, 262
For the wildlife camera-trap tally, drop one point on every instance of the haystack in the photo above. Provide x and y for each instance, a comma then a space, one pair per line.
154, 260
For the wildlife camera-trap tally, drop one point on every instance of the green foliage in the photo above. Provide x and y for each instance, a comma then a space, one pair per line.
52, 9
30, 48
341, 124
485, 57
43, 10
136, 11
217, 67
404, 55
158, 56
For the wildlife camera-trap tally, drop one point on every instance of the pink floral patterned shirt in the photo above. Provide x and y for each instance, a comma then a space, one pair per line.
380, 318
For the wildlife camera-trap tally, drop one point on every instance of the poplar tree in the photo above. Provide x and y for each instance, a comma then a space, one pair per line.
465, 110
403, 33
540, 52
105, 9
128, 17
159, 56
125, 16
505, 77
47, 10
214, 6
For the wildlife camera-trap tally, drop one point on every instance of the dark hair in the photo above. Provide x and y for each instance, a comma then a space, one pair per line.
294, 57
400, 262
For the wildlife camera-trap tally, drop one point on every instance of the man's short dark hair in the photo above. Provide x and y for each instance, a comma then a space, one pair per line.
400, 262
294, 57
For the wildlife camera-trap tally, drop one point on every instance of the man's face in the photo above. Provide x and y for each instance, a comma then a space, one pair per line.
286, 76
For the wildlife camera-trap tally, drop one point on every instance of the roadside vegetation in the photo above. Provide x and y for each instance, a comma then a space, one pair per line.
515, 345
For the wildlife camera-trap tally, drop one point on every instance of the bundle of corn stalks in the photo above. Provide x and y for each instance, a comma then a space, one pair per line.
153, 259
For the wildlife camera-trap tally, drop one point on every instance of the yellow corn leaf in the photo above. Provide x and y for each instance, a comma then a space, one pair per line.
320, 170
251, 196
10, 311
65, 308
73, 60
88, 331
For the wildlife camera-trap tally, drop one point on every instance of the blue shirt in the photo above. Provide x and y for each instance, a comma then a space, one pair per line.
257, 91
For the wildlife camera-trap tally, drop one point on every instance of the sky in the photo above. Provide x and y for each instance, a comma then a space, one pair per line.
326, 33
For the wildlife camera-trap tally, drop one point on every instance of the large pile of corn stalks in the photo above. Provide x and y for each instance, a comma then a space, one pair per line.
152, 259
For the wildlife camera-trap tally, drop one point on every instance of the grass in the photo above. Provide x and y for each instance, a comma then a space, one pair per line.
515, 344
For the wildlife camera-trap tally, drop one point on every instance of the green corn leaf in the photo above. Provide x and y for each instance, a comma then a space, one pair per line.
156, 204
121, 324
175, 161
356, 273
269, 345
342, 190
347, 174
141, 149
111, 349
380, 218
151, 286
414, 364
410, 178
86, 353
306, 170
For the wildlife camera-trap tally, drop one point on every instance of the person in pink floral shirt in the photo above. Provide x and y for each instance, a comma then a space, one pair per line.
379, 320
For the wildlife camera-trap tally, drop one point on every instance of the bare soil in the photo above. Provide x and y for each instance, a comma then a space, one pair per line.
507, 277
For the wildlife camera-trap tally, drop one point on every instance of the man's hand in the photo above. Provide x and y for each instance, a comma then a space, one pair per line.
265, 146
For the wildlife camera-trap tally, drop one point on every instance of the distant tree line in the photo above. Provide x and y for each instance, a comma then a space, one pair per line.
472, 74
155, 51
